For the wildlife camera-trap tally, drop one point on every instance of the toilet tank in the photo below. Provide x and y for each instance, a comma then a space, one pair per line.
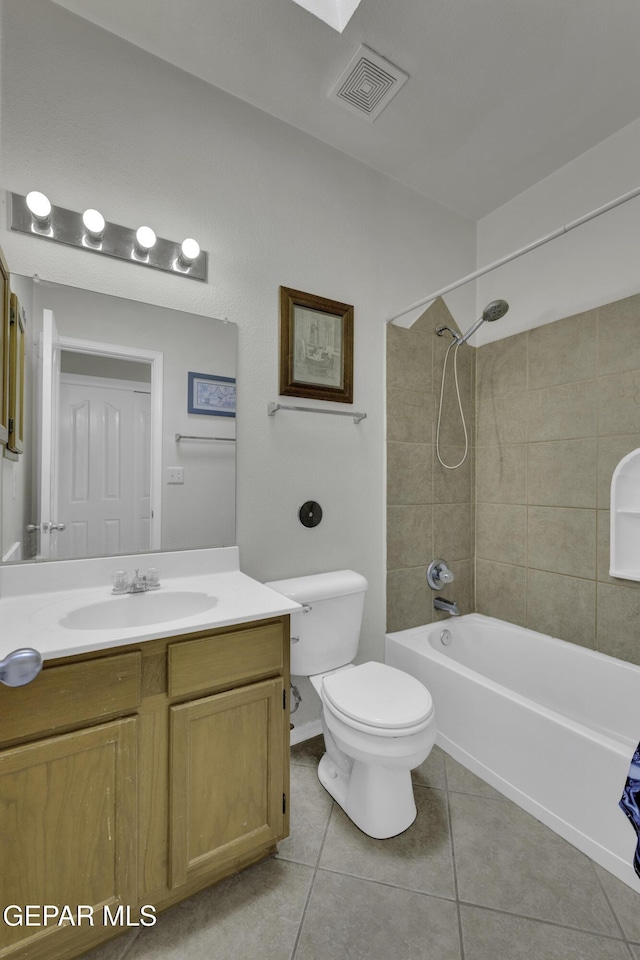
325, 635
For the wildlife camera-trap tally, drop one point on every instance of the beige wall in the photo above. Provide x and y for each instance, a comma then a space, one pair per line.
557, 408
429, 509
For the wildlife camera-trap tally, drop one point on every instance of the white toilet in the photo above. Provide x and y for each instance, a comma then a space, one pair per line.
378, 722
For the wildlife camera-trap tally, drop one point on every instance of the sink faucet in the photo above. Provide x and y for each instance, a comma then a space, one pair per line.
449, 606
138, 584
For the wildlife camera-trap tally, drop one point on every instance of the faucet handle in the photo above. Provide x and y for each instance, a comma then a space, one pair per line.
120, 580
439, 574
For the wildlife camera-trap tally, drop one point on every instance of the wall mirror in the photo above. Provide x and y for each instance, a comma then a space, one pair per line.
117, 458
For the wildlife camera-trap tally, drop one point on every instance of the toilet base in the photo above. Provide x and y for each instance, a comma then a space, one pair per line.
379, 800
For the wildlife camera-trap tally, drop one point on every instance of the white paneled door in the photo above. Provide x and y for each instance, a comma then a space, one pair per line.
103, 466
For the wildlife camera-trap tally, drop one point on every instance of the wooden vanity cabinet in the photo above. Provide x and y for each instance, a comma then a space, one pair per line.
140, 775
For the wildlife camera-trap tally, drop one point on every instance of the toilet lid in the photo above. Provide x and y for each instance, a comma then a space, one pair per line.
378, 695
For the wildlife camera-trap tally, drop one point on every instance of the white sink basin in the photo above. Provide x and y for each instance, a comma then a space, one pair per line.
138, 610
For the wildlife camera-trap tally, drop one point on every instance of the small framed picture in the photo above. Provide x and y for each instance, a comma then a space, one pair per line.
212, 395
316, 347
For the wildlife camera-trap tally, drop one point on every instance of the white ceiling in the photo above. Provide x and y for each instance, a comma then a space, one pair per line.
501, 92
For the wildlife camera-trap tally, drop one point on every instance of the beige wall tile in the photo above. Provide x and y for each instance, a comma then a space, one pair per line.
562, 540
409, 599
611, 450
562, 606
562, 473
409, 358
501, 591
452, 428
464, 359
436, 315
501, 474
618, 342
453, 531
409, 536
563, 351
409, 415
619, 403
501, 367
502, 420
453, 486
501, 532
618, 619
563, 412
409, 473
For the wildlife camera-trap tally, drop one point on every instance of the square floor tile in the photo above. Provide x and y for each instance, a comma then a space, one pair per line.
113, 950
310, 810
498, 936
418, 859
309, 752
625, 902
431, 772
506, 859
352, 919
256, 913
461, 780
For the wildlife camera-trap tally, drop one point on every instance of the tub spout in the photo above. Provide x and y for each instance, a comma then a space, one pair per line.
449, 606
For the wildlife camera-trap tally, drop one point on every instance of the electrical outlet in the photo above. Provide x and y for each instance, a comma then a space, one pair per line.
175, 474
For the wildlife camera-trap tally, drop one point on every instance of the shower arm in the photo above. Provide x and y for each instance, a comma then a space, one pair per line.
471, 331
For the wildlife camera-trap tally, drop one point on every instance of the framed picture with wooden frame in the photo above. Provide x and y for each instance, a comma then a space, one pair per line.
316, 347
17, 324
5, 294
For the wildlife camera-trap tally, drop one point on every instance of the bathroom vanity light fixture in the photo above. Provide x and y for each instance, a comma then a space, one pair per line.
94, 224
189, 253
144, 243
40, 209
36, 216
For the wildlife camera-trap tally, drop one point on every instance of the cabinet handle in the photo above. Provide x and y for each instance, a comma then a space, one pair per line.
20, 667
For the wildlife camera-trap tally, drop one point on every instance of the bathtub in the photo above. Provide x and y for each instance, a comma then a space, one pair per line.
551, 725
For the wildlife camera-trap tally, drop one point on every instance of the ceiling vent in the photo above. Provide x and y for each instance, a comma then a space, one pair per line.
367, 84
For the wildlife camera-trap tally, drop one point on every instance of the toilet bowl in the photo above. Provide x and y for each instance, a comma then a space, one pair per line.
378, 722
373, 743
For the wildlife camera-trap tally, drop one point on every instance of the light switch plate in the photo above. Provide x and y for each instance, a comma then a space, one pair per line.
175, 474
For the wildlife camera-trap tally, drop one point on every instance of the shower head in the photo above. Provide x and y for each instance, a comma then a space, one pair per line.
493, 311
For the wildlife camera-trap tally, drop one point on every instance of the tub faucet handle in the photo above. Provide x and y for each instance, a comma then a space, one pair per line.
438, 574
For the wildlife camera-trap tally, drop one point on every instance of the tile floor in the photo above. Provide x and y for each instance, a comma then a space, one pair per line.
474, 878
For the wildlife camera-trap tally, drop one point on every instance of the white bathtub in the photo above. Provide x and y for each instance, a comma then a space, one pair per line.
551, 725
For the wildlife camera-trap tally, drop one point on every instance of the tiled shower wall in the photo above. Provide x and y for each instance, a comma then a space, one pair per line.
430, 509
557, 408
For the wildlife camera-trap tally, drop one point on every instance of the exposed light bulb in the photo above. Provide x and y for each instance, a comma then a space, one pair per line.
39, 207
94, 224
189, 251
145, 239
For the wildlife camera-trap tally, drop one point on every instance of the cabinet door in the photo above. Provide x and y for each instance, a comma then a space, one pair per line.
67, 832
227, 775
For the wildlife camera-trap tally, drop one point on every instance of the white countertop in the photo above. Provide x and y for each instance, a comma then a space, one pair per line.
36, 619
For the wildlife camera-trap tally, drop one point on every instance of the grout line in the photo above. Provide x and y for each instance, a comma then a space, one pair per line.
453, 860
606, 896
544, 922
129, 947
312, 884
386, 883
